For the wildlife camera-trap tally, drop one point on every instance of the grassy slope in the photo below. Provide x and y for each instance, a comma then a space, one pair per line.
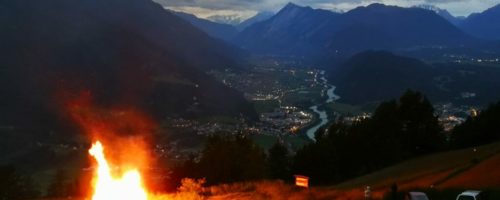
452, 171
458, 169
484, 175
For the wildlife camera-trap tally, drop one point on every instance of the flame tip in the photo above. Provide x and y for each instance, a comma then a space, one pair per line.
107, 187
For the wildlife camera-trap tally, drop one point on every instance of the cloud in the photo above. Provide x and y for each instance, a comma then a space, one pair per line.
208, 12
444, 1
213, 4
457, 7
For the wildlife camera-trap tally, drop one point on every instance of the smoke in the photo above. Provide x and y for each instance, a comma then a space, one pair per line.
125, 132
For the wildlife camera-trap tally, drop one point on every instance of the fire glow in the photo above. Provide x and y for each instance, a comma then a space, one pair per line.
106, 187
120, 149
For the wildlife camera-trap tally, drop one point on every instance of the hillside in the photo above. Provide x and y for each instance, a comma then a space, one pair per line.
131, 53
303, 31
420, 173
443, 13
374, 76
261, 16
289, 32
221, 31
476, 177
389, 27
443, 170
448, 172
484, 25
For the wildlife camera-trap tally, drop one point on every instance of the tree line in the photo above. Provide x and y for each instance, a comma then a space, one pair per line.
398, 130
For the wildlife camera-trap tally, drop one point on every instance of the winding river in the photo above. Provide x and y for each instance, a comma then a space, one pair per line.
323, 116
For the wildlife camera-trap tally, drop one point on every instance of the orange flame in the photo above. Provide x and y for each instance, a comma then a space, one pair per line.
106, 187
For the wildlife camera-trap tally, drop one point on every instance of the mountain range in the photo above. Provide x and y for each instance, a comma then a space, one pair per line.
261, 16
226, 19
484, 25
221, 30
292, 31
217, 30
443, 13
123, 52
305, 32
135, 51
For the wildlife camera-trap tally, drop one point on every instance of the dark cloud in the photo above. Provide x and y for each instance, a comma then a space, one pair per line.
444, 1
214, 4
462, 7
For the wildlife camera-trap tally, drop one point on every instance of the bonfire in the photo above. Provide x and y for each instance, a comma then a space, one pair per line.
107, 187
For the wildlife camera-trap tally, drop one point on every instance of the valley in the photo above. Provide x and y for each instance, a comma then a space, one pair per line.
200, 100
294, 102
286, 99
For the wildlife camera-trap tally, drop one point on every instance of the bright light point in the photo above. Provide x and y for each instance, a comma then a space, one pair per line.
106, 187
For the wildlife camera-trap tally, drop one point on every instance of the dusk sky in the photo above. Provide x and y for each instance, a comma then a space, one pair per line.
247, 8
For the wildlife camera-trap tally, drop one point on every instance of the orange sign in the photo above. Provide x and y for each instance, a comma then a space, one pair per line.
301, 181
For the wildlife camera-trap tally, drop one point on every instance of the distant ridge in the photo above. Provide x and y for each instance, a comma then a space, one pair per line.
374, 76
443, 13
305, 32
221, 31
289, 32
484, 25
261, 16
